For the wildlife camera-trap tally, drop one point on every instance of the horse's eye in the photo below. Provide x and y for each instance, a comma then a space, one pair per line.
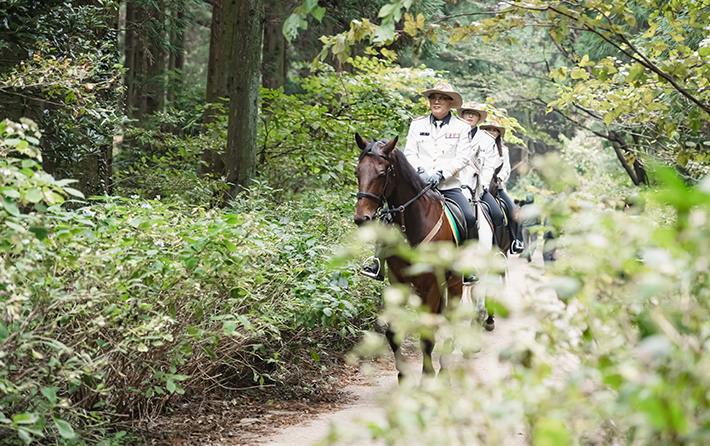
382, 174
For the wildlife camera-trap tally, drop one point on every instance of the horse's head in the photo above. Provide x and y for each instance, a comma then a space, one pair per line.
495, 182
375, 177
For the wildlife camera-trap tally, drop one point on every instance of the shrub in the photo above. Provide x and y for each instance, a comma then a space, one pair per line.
125, 306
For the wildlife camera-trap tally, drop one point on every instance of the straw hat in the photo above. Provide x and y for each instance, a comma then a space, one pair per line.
493, 123
473, 106
448, 90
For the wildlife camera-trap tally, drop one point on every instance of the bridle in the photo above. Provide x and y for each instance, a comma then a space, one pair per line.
371, 150
380, 199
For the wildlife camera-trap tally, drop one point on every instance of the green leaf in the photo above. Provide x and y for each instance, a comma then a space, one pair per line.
10, 206
64, 428
635, 72
291, 26
33, 195
14, 226
229, 327
170, 386
72, 191
308, 5
318, 13
231, 247
25, 418
704, 51
50, 393
315, 356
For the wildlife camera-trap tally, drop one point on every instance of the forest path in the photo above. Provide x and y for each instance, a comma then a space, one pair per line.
523, 285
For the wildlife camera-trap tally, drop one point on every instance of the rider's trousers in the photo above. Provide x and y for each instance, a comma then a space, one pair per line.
496, 211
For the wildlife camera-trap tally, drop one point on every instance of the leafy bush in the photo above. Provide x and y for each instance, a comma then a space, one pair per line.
126, 306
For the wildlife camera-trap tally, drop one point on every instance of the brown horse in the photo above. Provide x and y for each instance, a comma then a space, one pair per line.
385, 175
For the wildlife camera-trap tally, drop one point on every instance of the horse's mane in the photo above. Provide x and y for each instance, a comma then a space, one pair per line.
409, 174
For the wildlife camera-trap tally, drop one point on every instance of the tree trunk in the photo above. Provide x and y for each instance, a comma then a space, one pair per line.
274, 63
145, 60
176, 60
217, 77
155, 82
240, 157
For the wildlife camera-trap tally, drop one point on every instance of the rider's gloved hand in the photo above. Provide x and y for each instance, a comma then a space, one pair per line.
437, 178
422, 174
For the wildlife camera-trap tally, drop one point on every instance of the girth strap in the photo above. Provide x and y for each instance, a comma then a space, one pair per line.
436, 227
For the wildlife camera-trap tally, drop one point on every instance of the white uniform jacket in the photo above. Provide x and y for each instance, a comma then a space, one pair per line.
470, 174
504, 173
489, 159
446, 148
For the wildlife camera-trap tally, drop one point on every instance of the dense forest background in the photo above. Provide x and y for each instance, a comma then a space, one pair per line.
177, 176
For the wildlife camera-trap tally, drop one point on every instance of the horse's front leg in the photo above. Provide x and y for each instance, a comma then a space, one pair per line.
396, 349
431, 297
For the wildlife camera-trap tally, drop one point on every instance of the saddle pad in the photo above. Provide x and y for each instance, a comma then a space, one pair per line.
454, 216
503, 208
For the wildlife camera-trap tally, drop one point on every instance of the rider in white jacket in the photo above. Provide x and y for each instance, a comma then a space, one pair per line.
492, 159
439, 148
484, 146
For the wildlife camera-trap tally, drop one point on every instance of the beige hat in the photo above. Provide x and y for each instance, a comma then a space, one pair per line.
448, 90
473, 106
493, 123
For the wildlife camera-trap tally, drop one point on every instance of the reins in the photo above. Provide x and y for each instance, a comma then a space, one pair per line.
401, 208
380, 199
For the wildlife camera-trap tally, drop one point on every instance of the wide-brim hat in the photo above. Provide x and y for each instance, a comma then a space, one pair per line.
493, 123
448, 90
473, 106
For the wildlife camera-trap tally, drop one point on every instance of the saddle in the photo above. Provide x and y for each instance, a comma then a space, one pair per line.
456, 219
506, 211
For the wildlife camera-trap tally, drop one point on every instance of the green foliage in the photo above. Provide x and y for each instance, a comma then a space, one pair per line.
156, 161
630, 301
307, 140
60, 67
112, 308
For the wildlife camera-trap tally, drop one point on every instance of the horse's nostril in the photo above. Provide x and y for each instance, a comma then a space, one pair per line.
367, 218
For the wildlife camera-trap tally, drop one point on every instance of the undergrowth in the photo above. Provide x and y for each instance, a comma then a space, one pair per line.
125, 307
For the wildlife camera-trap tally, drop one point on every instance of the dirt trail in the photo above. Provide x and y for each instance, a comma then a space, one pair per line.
523, 284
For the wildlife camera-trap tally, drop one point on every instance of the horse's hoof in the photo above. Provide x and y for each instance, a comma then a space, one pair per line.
490, 324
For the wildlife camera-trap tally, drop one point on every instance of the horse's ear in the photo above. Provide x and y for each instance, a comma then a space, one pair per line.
362, 143
390, 146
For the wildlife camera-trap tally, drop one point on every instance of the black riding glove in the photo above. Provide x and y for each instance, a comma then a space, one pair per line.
437, 178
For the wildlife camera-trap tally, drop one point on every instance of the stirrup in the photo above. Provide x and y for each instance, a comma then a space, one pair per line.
372, 269
471, 278
516, 247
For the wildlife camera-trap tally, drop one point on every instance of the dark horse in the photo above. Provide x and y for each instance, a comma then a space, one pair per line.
385, 175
